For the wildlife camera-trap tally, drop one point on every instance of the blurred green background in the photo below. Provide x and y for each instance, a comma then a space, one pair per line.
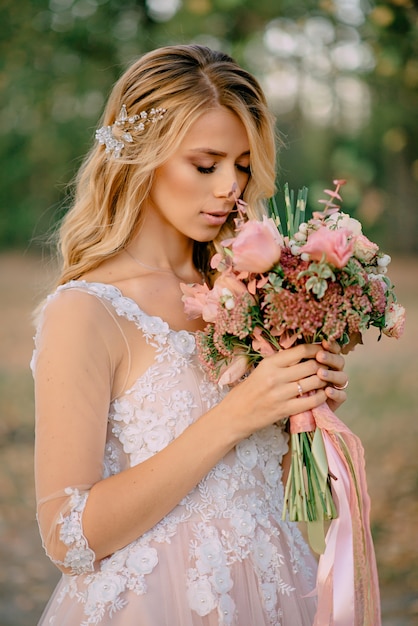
342, 78
341, 75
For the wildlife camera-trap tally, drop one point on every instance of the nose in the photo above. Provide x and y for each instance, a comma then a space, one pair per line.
227, 185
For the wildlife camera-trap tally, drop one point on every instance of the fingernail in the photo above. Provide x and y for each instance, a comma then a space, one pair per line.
323, 373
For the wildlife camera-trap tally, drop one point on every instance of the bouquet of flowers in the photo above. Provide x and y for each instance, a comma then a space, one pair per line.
306, 281
313, 280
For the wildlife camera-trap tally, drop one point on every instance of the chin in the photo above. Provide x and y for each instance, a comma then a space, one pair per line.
207, 236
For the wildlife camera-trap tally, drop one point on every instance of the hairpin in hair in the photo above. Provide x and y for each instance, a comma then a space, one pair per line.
127, 124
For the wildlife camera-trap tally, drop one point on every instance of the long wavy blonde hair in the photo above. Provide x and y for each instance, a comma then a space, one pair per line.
185, 80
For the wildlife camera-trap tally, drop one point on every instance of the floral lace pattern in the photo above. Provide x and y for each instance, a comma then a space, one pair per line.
233, 515
79, 558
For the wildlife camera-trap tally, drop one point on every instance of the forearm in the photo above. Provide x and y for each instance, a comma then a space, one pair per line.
123, 507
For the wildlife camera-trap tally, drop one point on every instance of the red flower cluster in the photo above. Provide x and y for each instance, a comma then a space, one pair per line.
340, 311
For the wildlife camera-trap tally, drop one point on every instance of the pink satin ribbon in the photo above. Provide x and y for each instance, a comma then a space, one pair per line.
336, 565
302, 423
347, 582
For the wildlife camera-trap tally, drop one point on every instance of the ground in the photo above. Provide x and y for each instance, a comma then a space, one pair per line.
381, 409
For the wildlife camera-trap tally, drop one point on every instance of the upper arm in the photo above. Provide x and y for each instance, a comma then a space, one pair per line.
73, 374
78, 346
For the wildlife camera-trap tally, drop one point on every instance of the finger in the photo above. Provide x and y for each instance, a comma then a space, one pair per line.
337, 396
307, 385
297, 380
335, 378
307, 402
341, 387
331, 346
287, 382
294, 355
331, 360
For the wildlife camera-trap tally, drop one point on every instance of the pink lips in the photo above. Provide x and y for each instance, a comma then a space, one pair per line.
215, 219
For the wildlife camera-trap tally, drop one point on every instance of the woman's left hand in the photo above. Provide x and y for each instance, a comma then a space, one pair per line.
332, 373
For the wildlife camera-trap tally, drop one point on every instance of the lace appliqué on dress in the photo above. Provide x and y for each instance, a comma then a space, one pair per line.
239, 494
79, 557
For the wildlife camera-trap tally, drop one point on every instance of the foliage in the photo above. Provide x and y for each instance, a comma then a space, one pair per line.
59, 59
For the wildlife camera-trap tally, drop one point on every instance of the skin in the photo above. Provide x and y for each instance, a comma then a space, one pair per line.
189, 200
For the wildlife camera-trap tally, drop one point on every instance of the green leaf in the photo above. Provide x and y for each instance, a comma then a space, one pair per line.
316, 536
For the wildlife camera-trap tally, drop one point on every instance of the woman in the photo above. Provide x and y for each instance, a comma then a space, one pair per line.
159, 494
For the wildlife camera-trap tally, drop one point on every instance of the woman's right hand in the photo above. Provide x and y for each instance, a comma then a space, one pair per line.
274, 390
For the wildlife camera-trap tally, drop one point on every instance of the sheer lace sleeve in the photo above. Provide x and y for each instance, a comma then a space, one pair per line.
78, 348
62, 522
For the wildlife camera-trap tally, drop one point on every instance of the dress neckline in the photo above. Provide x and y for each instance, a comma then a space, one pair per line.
109, 287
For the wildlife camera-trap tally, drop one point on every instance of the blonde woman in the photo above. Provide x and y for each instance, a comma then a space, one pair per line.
159, 493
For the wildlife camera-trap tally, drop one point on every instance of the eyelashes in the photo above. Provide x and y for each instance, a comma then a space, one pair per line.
209, 170
205, 170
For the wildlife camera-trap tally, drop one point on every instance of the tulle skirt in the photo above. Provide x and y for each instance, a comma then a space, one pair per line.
167, 602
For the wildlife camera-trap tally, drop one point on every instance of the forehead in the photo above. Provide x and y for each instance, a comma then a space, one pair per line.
218, 129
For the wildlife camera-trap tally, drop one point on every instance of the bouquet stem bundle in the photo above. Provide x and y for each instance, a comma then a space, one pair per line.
308, 495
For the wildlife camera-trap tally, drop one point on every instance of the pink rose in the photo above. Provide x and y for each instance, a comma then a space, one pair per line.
269, 223
257, 247
194, 298
232, 372
364, 249
226, 286
231, 282
210, 307
394, 320
200, 301
336, 245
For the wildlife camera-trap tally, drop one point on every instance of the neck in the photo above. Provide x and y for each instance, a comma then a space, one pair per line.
179, 274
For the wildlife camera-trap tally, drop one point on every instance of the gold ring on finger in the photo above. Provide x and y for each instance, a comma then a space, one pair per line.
343, 387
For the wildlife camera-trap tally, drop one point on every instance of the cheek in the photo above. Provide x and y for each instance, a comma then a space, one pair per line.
180, 183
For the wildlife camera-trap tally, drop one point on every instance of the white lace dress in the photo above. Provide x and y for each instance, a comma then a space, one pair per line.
223, 556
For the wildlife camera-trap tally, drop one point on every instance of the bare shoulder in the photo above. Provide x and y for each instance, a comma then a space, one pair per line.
73, 314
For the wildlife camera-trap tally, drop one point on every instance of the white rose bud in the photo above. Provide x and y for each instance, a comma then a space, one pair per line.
343, 220
384, 260
228, 299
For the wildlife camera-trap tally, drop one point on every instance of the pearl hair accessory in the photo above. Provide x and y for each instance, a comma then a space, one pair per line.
127, 124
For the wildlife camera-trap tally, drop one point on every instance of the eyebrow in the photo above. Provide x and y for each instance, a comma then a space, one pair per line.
212, 152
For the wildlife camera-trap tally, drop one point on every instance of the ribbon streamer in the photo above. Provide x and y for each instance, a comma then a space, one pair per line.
347, 581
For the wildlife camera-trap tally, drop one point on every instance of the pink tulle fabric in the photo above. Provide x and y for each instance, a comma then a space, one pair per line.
165, 602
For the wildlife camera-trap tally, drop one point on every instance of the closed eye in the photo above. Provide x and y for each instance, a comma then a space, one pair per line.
245, 169
206, 170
